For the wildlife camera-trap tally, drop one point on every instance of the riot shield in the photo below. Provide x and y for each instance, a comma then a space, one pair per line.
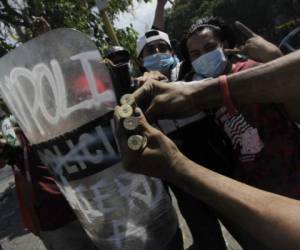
62, 96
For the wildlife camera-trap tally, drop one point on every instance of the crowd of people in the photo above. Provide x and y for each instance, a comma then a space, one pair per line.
228, 143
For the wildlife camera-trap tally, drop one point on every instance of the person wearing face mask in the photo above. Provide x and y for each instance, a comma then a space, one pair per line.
208, 59
154, 50
259, 133
155, 53
216, 58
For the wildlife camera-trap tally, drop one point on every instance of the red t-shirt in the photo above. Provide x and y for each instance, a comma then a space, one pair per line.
266, 144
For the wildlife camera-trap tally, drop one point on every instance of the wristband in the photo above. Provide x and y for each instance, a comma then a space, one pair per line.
226, 94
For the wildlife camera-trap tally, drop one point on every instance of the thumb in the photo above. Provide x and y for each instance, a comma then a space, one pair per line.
244, 30
144, 125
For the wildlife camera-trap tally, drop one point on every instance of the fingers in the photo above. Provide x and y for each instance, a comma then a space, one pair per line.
244, 29
144, 126
143, 129
153, 75
142, 95
152, 112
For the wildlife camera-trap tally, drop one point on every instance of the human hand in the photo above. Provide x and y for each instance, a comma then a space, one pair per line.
161, 100
256, 47
152, 75
159, 158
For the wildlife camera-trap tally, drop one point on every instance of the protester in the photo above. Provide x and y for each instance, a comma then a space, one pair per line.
118, 55
44, 210
201, 220
275, 82
155, 52
250, 128
271, 219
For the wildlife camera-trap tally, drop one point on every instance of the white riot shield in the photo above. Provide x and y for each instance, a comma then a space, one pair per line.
63, 98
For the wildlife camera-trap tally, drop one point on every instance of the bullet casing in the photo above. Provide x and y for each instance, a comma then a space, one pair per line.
130, 123
125, 111
128, 99
137, 142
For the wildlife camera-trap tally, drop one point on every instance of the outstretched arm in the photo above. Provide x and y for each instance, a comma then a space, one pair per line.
275, 82
272, 219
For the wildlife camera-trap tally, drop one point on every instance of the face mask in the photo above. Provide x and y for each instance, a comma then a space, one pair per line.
210, 64
160, 62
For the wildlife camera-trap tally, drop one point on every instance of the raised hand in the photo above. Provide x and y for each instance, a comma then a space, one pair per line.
159, 158
256, 47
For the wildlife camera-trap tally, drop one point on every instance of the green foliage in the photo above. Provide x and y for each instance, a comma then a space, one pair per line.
78, 14
261, 16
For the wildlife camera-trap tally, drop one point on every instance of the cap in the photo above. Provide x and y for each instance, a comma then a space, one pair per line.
150, 36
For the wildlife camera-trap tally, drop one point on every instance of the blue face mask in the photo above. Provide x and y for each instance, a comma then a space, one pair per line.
160, 62
210, 64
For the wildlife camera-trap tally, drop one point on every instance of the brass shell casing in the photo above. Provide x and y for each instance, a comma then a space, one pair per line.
125, 111
130, 123
137, 142
128, 99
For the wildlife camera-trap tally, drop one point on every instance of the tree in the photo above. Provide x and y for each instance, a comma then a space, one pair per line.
262, 16
16, 19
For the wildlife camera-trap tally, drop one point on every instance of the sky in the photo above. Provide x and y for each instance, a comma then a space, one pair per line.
141, 17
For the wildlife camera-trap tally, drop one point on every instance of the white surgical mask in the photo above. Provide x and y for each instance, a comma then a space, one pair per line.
160, 62
210, 64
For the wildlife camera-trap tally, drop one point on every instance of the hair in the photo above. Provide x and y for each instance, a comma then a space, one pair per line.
217, 25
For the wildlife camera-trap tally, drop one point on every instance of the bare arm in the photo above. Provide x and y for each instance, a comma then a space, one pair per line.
275, 82
271, 219
159, 18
